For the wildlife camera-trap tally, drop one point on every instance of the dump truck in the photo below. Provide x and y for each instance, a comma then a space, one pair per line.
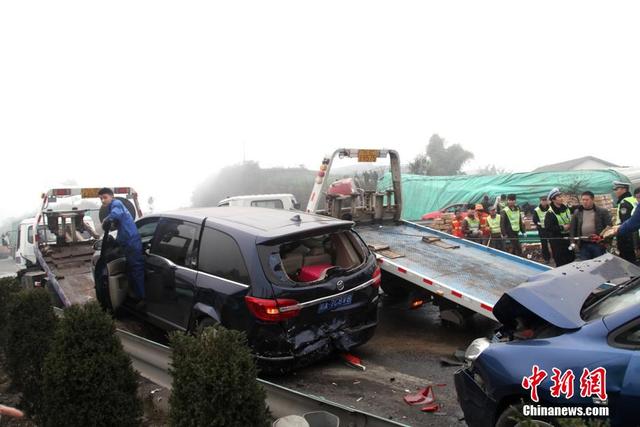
459, 276
59, 242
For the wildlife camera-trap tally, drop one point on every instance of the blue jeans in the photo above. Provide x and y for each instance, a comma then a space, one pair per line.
589, 250
135, 267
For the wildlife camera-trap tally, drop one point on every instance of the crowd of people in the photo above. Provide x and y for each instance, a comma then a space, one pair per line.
565, 232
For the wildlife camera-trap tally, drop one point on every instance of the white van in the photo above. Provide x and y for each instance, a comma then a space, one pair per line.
274, 201
25, 255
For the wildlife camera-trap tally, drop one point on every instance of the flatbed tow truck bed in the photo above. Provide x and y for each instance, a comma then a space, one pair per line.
466, 273
68, 271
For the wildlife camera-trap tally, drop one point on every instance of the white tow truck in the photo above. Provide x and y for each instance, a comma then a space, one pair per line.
57, 245
459, 276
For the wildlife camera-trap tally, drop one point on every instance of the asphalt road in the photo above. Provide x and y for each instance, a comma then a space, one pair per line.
403, 356
7, 267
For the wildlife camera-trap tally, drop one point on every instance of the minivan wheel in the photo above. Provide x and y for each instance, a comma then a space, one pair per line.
513, 416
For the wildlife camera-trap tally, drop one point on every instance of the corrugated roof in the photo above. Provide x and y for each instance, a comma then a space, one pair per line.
570, 164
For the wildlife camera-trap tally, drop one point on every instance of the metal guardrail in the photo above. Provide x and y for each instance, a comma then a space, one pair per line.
152, 359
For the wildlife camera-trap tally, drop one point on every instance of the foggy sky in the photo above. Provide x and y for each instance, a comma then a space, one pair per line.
158, 94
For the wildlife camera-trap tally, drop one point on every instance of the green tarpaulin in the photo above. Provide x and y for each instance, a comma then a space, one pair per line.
422, 194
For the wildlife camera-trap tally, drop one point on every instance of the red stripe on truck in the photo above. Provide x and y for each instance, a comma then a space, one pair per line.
427, 281
402, 270
487, 307
456, 294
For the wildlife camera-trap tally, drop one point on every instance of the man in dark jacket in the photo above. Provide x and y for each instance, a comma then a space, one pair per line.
587, 223
511, 224
557, 225
539, 214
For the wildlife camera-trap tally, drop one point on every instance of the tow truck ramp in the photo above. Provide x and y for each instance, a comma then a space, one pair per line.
466, 273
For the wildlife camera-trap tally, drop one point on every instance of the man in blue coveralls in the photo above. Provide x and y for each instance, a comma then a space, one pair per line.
128, 238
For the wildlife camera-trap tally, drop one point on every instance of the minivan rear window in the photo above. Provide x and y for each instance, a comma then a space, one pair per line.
314, 259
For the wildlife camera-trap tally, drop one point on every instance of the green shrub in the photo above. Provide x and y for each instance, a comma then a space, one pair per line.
29, 334
214, 381
9, 286
88, 378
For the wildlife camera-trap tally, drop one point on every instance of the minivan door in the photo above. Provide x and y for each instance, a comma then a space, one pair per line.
170, 272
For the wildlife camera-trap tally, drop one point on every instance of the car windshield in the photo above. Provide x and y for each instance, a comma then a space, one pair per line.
620, 297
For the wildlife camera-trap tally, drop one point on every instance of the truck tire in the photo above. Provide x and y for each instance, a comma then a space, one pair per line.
394, 286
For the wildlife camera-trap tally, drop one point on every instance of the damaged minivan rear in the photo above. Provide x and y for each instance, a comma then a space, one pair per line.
326, 286
300, 286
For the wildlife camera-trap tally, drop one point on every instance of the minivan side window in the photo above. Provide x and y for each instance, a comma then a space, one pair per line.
220, 256
177, 241
274, 204
147, 228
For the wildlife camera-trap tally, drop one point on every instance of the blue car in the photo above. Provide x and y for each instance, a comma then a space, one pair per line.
568, 320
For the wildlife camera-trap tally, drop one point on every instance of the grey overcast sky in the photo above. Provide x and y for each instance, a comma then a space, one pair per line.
159, 94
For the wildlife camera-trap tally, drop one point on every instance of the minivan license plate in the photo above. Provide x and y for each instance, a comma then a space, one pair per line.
335, 303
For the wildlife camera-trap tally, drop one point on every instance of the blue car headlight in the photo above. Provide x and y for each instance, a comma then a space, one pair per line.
475, 349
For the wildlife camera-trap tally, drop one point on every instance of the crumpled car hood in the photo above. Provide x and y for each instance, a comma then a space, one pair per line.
558, 295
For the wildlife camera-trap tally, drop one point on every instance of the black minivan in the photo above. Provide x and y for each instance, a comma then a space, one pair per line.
299, 285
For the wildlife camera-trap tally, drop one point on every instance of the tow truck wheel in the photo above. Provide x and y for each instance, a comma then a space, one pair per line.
513, 416
392, 286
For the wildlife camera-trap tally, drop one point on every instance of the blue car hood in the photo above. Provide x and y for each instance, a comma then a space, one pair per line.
558, 295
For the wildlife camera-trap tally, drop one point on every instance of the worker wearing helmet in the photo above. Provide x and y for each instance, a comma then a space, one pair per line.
539, 214
557, 225
482, 215
511, 224
495, 232
128, 238
471, 224
626, 206
456, 224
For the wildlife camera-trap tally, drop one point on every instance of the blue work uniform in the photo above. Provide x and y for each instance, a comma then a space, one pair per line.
129, 239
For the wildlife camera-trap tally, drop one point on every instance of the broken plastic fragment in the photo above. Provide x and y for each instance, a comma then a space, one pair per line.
423, 397
432, 407
353, 361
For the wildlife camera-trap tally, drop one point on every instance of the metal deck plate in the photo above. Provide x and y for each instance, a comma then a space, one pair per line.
469, 269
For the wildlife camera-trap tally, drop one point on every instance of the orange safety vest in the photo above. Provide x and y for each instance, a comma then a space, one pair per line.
456, 228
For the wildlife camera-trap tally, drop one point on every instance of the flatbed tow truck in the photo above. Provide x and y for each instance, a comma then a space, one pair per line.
68, 226
63, 258
459, 276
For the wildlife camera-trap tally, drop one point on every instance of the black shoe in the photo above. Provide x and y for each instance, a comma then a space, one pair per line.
141, 305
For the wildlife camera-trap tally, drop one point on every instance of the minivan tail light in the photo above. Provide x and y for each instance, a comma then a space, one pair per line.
272, 310
377, 277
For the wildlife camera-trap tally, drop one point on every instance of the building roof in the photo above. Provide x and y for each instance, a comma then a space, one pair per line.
571, 164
